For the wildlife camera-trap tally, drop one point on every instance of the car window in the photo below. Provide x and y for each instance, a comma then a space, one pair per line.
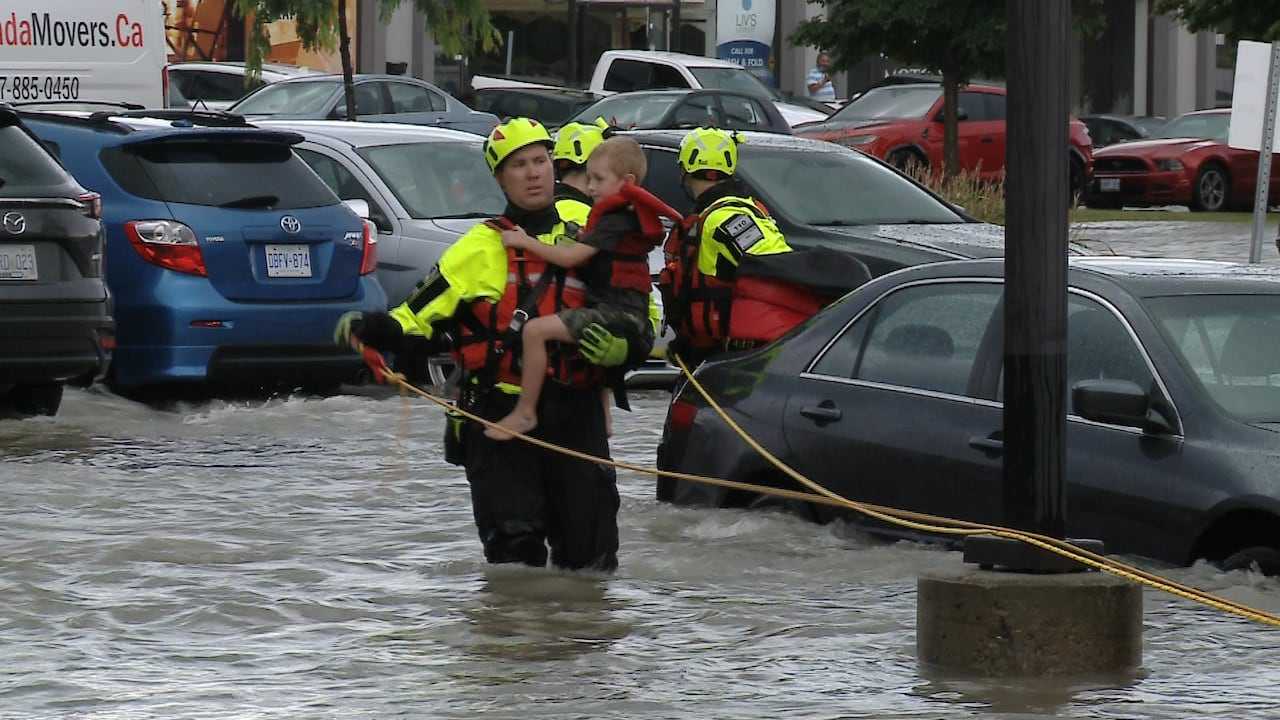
1209, 126
628, 75
370, 99
730, 78
924, 337
1102, 132
407, 98
25, 167
437, 179
1099, 347
995, 106
742, 113
300, 98
663, 179
247, 175
697, 110
628, 111
665, 76
891, 102
973, 107
839, 187
341, 181
1231, 345
222, 87
1121, 132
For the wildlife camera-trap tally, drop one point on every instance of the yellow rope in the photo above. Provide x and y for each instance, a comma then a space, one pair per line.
917, 521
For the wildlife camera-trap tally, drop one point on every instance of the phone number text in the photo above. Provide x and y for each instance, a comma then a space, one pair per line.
28, 88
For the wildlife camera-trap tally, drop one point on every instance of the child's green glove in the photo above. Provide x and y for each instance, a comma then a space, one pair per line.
601, 347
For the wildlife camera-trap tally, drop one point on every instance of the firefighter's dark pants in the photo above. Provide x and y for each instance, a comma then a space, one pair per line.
526, 498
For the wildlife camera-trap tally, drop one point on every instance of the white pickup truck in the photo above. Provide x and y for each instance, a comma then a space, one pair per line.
630, 70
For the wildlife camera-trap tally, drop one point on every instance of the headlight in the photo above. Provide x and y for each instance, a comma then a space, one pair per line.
1169, 165
858, 140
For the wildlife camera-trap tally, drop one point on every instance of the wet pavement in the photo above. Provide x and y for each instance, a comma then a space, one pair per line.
309, 557
1202, 240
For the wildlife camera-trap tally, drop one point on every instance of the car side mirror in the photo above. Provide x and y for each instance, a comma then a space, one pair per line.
1119, 402
359, 207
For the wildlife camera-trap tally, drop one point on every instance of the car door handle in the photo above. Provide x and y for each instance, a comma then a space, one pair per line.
824, 412
987, 444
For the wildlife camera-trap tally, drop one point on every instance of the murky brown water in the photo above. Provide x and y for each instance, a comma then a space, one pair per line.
300, 559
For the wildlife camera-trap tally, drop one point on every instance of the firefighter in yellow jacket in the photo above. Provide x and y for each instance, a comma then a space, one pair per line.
474, 303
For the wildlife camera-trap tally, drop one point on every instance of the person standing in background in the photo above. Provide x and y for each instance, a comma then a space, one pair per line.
819, 80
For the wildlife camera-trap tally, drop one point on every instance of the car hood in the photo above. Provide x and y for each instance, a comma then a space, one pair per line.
841, 127
797, 114
1147, 148
967, 240
435, 228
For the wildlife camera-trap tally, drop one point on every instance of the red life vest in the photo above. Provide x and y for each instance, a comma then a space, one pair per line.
709, 313
489, 343
629, 266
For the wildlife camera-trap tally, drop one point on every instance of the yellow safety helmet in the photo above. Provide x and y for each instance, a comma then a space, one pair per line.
576, 140
512, 135
710, 152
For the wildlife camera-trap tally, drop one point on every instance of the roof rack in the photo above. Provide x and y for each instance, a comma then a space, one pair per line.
96, 103
203, 118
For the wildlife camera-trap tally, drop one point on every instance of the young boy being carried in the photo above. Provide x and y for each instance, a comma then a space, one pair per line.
612, 254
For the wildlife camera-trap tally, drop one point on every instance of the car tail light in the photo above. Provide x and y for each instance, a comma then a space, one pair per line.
164, 86
168, 244
369, 261
681, 414
92, 202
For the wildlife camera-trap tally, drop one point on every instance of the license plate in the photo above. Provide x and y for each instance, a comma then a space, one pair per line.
18, 262
288, 261
1109, 184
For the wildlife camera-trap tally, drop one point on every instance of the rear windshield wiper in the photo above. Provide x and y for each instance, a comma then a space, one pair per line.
253, 201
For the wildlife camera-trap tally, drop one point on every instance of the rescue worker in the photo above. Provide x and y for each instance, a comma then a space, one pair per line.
732, 282
474, 303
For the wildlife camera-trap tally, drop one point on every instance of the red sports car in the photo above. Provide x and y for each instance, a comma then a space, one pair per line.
1186, 162
902, 124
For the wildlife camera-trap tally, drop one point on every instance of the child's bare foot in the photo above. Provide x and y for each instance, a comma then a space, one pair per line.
515, 423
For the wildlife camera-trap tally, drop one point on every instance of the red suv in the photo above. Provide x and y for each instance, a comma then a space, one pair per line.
902, 124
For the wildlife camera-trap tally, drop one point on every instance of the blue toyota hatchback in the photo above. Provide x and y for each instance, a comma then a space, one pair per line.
229, 260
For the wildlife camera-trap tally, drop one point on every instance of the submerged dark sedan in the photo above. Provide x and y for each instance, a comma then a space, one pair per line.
893, 396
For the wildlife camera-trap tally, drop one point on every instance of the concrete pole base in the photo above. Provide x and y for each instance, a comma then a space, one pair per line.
983, 623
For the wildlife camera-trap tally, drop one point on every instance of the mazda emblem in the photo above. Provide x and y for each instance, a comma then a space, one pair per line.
15, 223
290, 224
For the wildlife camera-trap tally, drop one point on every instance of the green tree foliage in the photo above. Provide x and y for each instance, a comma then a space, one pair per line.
457, 25
1237, 19
960, 39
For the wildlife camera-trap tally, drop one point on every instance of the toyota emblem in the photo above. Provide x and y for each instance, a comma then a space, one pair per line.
290, 224
15, 223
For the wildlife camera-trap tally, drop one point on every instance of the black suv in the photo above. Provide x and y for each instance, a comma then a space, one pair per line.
55, 315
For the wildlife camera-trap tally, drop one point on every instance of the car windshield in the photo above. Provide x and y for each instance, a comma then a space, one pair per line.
891, 102
290, 98
25, 168
839, 187
631, 111
737, 79
1209, 126
242, 175
1231, 344
437, 179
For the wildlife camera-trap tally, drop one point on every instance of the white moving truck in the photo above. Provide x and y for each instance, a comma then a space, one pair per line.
82, 51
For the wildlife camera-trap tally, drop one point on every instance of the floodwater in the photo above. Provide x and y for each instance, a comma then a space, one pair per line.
314, 558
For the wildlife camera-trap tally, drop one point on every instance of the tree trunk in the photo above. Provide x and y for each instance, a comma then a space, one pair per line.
950, 124
344, 49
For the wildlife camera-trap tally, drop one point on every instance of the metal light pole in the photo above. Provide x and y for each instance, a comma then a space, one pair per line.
1264, 155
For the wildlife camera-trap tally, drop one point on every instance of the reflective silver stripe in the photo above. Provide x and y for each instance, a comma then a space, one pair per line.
569, 280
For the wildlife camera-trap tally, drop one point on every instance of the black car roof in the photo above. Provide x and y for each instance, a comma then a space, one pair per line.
1143, 277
